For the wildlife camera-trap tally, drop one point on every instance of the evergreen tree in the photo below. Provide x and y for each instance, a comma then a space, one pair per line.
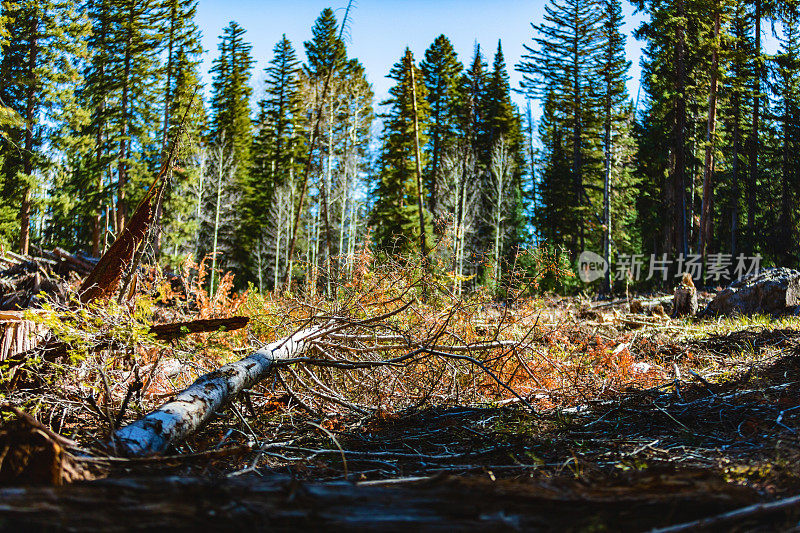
231, 142
472, 118
612, 68
277, 156
122, 79
136, 34
441, 72
183, 58
675, 78
734, 111
230, 100
325, 69
563, 64
179, 214
552, 216
37, 81
181, 90
394, 215
277, 141
787, 89
502, 118
325, 52
505, 231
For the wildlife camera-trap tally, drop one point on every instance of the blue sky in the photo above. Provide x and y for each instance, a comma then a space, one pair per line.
379, 31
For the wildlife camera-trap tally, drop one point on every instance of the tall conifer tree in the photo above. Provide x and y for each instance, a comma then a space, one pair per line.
394, 214
37, 81
562, 64
441, 72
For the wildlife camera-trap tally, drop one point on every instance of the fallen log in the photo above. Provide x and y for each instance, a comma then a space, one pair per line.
175, 330
278, 502
81, 265
191, 408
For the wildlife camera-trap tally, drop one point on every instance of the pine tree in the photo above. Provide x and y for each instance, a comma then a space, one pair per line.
138, 75
230, 100
276, 157
787, 87
502, 118
562, 64
325, 52
277, 141
553, 217
180, 91
502, 187
394, 215
93, 171
326, 66
472, 118
612, 68
179, 214
122, 79
37, 81
183, 58
231, 142
441, 71
676, 68
734, 115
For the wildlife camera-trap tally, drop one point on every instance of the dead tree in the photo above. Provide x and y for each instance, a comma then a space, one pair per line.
191, 408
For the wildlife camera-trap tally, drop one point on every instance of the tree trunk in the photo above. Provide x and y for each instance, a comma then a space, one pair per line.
577, 133
497, 231
437, 149
122, 171
167, 116
754, 138
98, 228
417, 159
326, 199
607, 190
191, 408
220, 172
737, 136
30, 120
678, 234
708, 167
532, 166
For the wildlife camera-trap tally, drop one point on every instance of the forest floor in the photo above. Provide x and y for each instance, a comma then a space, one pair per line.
619, 422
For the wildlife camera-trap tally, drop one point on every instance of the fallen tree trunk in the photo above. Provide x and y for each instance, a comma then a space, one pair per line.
176, 330
191, 408
278, 502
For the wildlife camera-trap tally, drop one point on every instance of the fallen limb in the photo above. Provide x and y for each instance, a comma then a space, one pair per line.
164, 332
191, 408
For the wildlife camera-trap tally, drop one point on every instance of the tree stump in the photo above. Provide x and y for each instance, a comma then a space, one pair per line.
684, 301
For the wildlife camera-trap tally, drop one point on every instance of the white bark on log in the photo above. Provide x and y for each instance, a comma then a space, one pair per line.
192, 407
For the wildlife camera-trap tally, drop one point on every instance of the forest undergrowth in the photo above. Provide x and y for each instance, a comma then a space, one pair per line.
416, 381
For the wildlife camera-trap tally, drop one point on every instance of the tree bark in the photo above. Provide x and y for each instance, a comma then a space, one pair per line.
708, 167
191, 408
678, 237
607, 183
754, 137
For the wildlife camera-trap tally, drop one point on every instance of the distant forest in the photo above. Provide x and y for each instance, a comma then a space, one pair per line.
704, 161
